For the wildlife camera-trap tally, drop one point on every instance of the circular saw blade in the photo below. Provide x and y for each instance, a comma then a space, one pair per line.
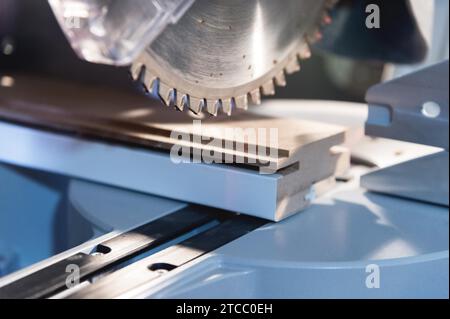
223, 53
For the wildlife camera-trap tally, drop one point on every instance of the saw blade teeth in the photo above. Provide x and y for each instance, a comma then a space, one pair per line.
150, 82
172, 98
153, 86
314, 36
268, 88
197, 105
304, 52
326, 19
203, 104
292, 66
185, 103
212, 106
165, 93
318, 35
147, 71
137, 71
255, 96
241, 102
179, 101
227, 106
280, 79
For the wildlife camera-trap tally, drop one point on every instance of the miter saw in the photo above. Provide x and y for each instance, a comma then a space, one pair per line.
215, 55
94, 147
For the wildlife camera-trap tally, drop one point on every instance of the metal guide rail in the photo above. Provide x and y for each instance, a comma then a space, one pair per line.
136, 257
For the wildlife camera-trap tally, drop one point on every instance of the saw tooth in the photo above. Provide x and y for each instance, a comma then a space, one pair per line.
268, 88
219, 104
140, 75
255, 96
292, 66
314, 36
165, 93
202, 105
148, 80
326, 19
280, 78
172, 98
212, 107
241, 102
137, 71
184, 103
318, 35
179, 101
227, 106
153, 86
196, 105
304, 52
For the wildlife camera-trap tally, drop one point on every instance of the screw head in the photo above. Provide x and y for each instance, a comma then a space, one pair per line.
431, 109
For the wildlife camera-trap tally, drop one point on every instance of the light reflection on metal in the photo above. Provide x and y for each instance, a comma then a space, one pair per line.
258, 44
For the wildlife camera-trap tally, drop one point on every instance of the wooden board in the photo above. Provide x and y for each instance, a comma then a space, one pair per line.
307, 152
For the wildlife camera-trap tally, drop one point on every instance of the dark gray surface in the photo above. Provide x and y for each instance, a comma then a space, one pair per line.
403, 99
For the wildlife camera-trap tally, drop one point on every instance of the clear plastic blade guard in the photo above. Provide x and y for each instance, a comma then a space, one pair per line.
115, 31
